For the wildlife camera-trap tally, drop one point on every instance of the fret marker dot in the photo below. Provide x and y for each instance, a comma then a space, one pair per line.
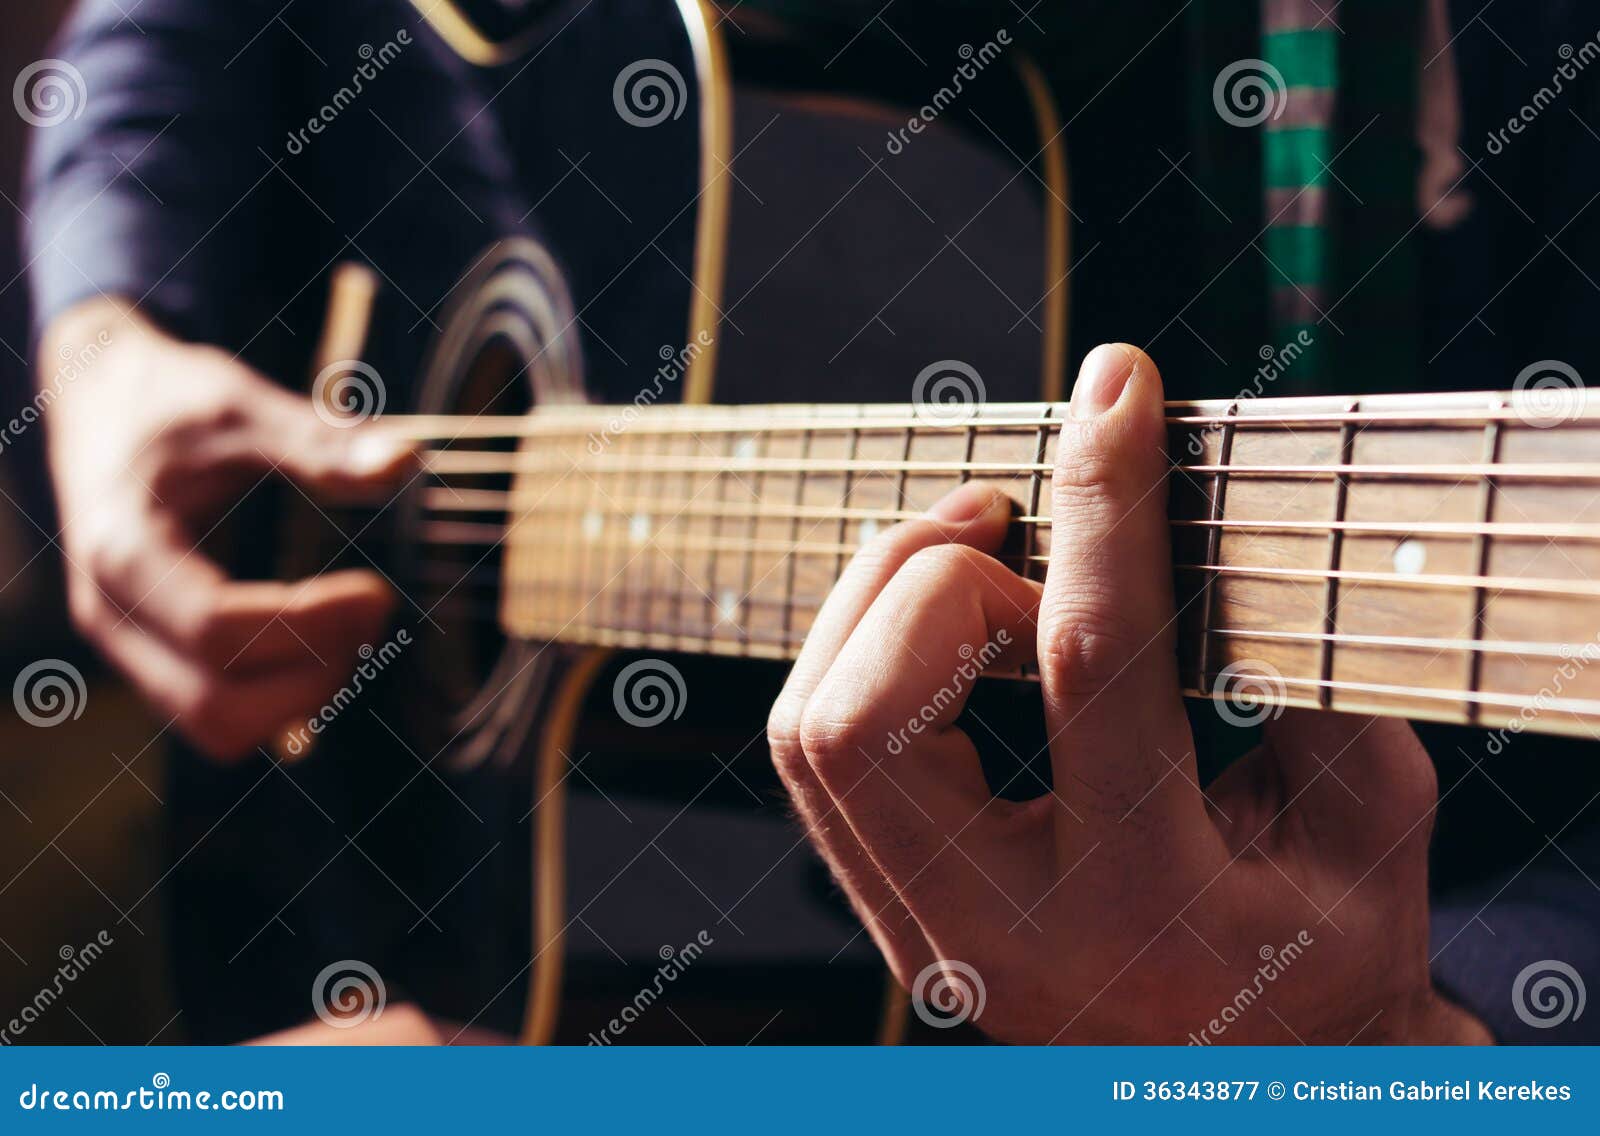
869, 529
593, 525
1410, 558
639, 528
727, 605
745, 449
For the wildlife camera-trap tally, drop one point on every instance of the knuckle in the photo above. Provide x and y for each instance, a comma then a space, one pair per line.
1085, 647
891, 549
1084, 465
213, 407
109, 552
834, 744
940, 566
783, 737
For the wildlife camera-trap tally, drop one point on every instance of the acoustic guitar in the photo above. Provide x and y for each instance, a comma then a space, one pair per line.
595, 540
1418, 556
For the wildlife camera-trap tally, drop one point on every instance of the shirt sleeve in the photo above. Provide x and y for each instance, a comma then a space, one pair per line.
1517, 949
141, 189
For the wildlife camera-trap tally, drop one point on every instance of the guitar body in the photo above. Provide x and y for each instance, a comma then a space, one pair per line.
659, 849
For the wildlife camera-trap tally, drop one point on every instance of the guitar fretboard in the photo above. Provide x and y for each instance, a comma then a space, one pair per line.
1431, 556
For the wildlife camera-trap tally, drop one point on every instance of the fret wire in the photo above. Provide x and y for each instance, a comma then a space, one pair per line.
719, 532
593, 574
676, 602
1030, 537
713, 608
572, 490
1480, 604
618, 533
1219, 487
1330, 598
646, 555
792, 562
844, 520
760, 443
905, 469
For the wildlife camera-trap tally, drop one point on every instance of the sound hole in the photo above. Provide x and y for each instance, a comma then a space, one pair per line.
458, 554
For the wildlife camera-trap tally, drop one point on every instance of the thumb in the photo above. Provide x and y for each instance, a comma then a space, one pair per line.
1368, 782
328, 451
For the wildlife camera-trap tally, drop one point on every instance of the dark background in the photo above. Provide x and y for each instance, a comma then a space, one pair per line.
79, 828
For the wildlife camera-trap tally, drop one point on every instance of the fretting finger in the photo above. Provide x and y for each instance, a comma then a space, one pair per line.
880, 735
972, 515
1121, 748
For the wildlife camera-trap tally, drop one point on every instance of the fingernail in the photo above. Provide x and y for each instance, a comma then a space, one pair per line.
1105, 371
966, 504
374, 452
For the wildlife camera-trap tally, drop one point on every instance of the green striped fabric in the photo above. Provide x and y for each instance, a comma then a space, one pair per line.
1300, 41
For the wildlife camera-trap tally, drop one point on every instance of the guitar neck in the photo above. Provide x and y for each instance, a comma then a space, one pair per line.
1431, 556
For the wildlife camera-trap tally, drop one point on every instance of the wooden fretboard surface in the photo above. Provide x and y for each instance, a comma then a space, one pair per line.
1429, 556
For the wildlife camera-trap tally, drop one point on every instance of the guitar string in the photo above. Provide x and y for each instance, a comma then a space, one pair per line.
494, 462
812, 603
583, 422
443, 499
730, 639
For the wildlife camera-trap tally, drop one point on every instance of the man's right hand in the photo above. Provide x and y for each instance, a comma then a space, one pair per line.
150, 447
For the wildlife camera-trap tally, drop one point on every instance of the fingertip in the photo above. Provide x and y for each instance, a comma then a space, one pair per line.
1112, 373
374, 454
977, 514
972, 501
355, 594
